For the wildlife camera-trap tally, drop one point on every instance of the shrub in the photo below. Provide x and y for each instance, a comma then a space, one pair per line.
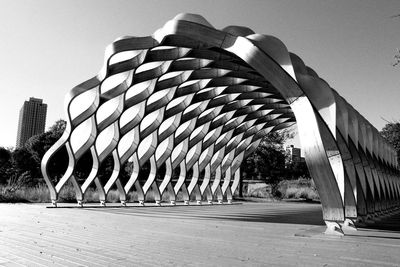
300, 188
67, 194
113, 196
38, 194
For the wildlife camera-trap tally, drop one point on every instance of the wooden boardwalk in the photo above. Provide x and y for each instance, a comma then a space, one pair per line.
248, 234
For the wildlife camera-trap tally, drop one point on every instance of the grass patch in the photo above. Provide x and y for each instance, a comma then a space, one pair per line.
262, 192
41, 194
38, 194
301, 188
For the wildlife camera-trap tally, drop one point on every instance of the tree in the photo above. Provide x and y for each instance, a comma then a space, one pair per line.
268, 161
38, 145
391, 133
5, 155
24, 162
5, 164
58, 128
297, 169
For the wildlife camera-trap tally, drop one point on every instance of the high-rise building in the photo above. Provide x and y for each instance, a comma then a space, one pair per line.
293, 155
32, 120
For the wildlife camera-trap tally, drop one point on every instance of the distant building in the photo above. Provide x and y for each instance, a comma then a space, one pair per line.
32, 120
293, 155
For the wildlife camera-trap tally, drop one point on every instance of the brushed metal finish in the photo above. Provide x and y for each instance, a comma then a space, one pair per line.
196, 101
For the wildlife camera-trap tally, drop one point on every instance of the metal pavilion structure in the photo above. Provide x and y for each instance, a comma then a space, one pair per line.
197, 99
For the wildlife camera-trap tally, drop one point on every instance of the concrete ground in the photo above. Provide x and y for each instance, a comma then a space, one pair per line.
244, 234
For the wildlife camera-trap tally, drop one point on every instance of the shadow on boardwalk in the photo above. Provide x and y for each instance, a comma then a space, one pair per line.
388, 225
248, 234
268, 212
292, 213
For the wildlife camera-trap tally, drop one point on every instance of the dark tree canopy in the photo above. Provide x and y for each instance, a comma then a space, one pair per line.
58, 128
5, 164
5, 155
26, 161
268, 161
391, 133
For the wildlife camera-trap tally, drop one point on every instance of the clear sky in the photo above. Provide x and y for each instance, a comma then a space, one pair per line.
47, 47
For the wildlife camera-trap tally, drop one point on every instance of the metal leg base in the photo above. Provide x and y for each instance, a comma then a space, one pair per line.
349, 225
333, 228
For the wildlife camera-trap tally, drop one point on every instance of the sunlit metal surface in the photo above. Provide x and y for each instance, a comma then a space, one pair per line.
196, 99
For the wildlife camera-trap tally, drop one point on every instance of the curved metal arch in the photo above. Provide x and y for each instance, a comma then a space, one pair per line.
196, 98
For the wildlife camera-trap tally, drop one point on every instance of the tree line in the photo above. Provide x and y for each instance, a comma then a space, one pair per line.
24, 162
267, 163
